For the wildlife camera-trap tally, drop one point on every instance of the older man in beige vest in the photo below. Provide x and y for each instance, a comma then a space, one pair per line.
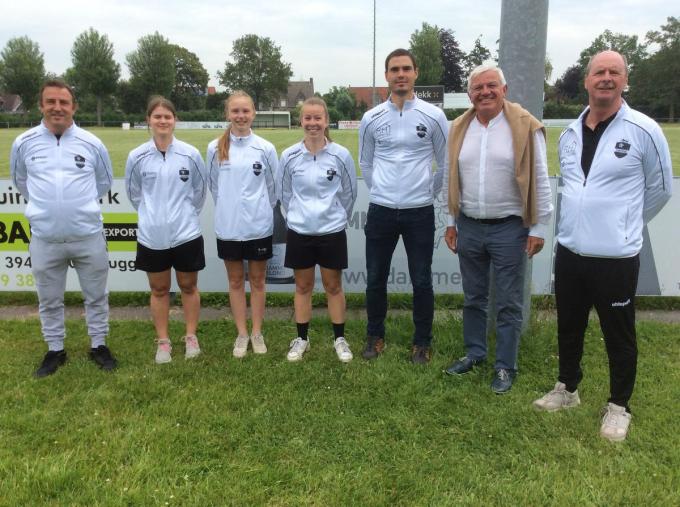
500, 205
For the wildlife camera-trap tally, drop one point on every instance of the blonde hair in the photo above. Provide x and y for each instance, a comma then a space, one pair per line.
318, 101
225, 139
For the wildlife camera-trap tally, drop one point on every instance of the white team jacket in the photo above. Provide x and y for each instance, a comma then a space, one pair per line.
243, 188
317, 192
396, 149
628, 183
62, 180
168, 192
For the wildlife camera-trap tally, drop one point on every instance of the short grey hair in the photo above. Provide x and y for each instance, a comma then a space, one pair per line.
484, 67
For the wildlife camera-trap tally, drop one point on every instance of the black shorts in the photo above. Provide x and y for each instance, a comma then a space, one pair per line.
251, 250
328, 250
187, 257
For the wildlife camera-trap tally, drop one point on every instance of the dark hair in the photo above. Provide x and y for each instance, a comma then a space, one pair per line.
318, 101
225, 138
160, 101
401, 52
57, 83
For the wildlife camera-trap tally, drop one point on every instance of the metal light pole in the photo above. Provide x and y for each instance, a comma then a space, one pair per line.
524, 31
375, 95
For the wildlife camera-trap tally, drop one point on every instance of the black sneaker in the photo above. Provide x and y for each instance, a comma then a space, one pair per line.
502, 382
103, 358
374, 347
421, 354
462, 366
51, 363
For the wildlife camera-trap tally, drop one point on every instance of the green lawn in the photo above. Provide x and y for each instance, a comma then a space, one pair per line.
261, 431
120, 142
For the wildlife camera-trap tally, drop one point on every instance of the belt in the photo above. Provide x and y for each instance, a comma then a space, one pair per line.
492, 221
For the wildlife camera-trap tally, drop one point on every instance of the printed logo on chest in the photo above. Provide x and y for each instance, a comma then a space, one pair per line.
80, 161
184, 174
621, 148
257, 168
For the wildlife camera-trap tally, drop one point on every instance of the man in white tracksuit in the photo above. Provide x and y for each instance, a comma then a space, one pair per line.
616, 176
62, 171
398, 140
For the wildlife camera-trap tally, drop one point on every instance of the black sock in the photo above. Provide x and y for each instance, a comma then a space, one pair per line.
302, 329
338, 330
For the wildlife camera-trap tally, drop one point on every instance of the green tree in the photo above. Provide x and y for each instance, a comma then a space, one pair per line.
152, 67
22, 70
427, 50
627, 45
569, 87
94, 70
655, 82
257, 68
191, 80
453, 60
343, 103
477, 56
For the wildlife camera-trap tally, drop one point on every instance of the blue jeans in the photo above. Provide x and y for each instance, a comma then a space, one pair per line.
502, 246
383, 228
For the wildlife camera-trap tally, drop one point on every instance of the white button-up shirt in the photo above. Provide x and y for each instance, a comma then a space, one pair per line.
486, 168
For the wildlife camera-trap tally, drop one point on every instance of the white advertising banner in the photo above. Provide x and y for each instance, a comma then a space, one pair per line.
659, 272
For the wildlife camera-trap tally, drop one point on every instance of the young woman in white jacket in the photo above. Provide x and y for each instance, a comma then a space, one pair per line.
318, 189
166, 182
242, 168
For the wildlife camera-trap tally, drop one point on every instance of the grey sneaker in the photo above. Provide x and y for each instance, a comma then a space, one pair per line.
191, 347
342, 350
298, 347
164, 351
615, 422
558, 399
241, 346
257, 342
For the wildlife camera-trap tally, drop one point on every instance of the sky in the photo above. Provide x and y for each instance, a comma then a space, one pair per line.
330, 41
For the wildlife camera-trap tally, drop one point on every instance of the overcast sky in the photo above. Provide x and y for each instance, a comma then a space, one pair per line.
330, 41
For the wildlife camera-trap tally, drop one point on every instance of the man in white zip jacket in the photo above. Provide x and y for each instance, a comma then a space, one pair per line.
62, 171
616, 176
398, 141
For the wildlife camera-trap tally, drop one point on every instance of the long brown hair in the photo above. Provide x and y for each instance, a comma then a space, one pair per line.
160, 101
225, 139
318, 101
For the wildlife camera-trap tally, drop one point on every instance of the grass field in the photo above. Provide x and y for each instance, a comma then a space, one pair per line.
120, 143
261, 431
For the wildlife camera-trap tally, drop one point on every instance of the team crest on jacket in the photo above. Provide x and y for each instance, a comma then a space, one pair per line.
621, 148
257, 168
421, 130
80, 161
330, 173
184, 174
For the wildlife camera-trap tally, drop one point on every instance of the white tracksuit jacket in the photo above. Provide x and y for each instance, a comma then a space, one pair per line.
628, 183
317, 192
62, 180
243, 188
396, 149
168, 192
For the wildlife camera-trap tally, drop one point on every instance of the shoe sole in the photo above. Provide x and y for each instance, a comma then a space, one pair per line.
192, 355
163, 361
346, 360
614, 439
551, 410
43, 375
239, 354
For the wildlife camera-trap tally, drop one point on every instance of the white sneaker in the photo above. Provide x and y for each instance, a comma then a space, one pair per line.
342, 350
191, 347
558, 399
164, 351
297, 349
257, 341
241, 346
615, 423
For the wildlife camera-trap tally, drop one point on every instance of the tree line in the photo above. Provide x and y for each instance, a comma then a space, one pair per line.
256, 65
